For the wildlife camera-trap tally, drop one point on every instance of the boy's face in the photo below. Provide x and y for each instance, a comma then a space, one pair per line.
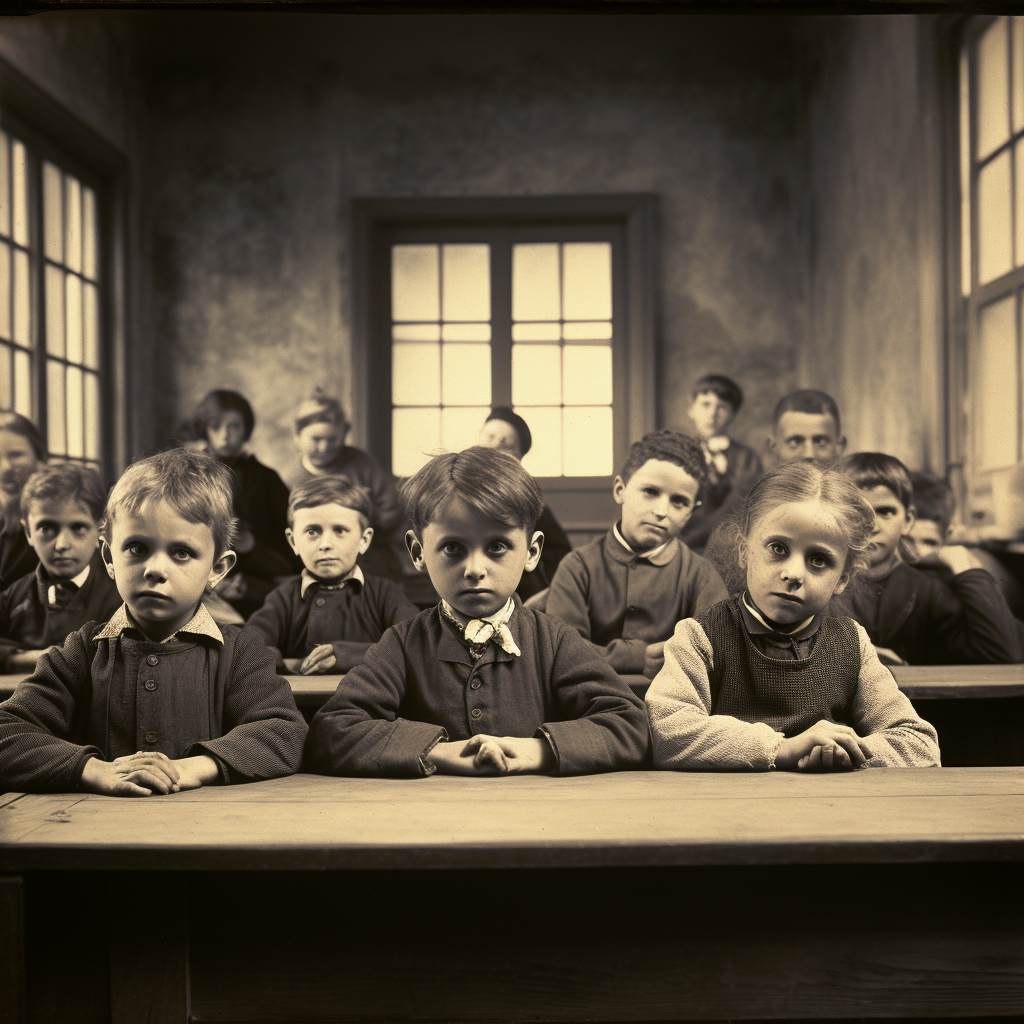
320, 442
807, 435
226, 434
474, 562
892, 521
927, 537
656, 503
711, 415
162, 564
17, 463
328, 539
499, 434
63, 534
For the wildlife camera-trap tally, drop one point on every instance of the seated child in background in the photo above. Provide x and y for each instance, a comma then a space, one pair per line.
203, 704
22, 451
62, 505
767, 680
805, 425
626, 591
914, 616
332, 613
479, 684
732, 467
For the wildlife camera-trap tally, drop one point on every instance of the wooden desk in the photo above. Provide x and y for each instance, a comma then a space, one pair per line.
629, 896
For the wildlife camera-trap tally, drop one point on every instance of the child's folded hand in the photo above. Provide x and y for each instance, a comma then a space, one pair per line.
826, 746
654, 659
516, 755
138, 774
958, 558
321, 659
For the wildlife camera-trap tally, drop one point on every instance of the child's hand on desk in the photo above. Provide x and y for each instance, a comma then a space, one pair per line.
654, 659
146, 772
824, 747
493, 755
319, 660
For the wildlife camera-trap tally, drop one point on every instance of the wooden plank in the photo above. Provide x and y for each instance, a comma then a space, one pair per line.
12, 949
20, 816
9, 798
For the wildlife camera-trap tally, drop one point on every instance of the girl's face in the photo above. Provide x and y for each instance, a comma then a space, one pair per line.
320, 443
17, 463
226, 434
796, 559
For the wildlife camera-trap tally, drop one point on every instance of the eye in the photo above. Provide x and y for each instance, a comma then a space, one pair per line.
498, 547
776, 548
312, 531
136, 550
452, 549
182, 554
651, 492
681, 502
819, 561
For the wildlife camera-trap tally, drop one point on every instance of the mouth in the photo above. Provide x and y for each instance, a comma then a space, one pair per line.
789, 598
151, 595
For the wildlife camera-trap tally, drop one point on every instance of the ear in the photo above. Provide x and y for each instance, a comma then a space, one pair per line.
841, 585
536, 546
412, 542
617, 490
221, 568
290, 537
108, 558
28, 536
770, 444
741, 552
364, 541
911, 519
840, 446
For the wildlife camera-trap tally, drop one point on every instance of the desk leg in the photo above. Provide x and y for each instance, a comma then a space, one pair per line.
149, 976
12, 949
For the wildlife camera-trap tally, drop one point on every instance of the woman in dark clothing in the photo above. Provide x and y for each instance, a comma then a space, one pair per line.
21, 452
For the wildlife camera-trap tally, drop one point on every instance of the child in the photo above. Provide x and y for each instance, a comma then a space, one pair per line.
913, 615
626, 591
62, 505
332, 613
477, 685
22, 449
159, 699
732, 467
805, 425
766, 680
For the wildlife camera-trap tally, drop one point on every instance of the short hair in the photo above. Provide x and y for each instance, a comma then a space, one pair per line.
490, 480
331, 490
933, 500
815, 403
320, 408
218, 402
63, 481
876, 469
197, 485
667, 446
15, 423
516, 422
724, 387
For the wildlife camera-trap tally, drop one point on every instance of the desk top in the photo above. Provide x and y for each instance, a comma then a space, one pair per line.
621, 819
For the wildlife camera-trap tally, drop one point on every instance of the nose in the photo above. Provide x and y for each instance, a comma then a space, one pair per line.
63, 541
476, 566
156, 568
791, 571
661, 507
325, 542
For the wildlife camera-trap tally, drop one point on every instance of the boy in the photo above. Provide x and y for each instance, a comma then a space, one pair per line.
626, 591
477, 685
912, 614
159, 699
805, 425
62, 506
732, 467
332, 613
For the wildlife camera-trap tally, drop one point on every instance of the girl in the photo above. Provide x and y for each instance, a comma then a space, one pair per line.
21, 452
766, 679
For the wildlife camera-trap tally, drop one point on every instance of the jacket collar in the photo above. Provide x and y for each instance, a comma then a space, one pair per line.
201, 624
308, 580
619, 549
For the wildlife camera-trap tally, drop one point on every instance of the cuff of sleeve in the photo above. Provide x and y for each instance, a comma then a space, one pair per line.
773, 751
544, 733
632, 658
408, 748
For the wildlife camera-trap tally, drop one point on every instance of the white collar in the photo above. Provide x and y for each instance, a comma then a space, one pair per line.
308, 579
653, 553
775, 629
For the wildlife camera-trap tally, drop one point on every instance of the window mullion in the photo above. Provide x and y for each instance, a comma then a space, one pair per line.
501, 319
37, 293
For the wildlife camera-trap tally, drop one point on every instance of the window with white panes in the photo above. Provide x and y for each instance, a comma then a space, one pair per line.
513, 320
51, 362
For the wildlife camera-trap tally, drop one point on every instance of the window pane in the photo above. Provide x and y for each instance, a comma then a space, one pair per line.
415, 436
416, 332
90, 235
73, 232
587, 271
92, 416
22, 383
466, 282
587, 375
535, 292
993, 88
536, 374
588, 442
545, 456
53, 212
73, 314
460, 428
55, 311
588, 331
19, 193
5, 290
6, 377
91, 326
994, 241
76, 435
965, 175
466, 374
22, 303
56, 401
5, 185
465, 332
536, 332
995, 395
416, 374
1017, 76
415, 284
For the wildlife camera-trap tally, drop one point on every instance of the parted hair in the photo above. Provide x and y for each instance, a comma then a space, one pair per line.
876, 469
818, 403
933, 500
491, 481
666, 446
218, 402
331, 490
195, 484
65, 481
320, 408
724, 387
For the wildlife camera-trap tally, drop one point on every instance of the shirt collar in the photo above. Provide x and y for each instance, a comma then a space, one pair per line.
755, 623
661, 555
308, 579
201, 624
49, 581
